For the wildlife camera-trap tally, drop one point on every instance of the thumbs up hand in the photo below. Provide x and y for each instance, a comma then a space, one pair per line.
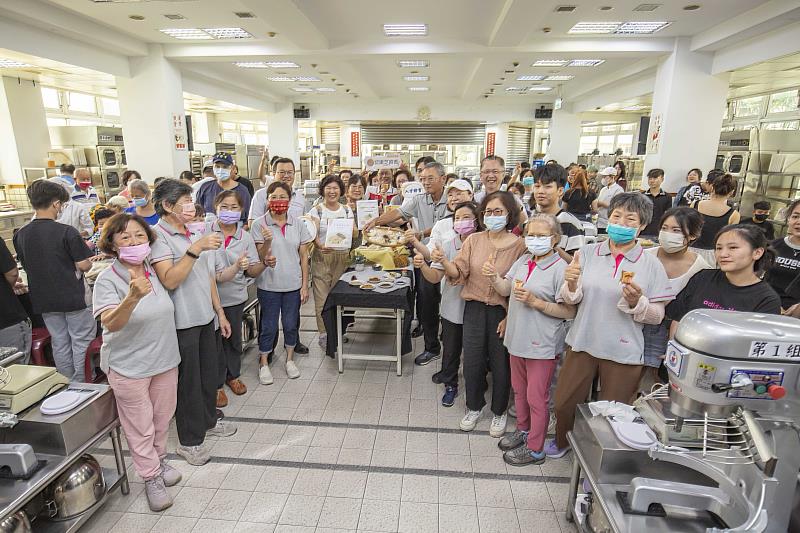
243, 261
418, 261
139, 287
573, 273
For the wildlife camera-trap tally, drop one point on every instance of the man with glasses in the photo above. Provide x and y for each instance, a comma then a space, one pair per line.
283, 170
225, 180
493, 168
428, 209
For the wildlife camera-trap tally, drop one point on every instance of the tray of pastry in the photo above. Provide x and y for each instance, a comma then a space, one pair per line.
383, 236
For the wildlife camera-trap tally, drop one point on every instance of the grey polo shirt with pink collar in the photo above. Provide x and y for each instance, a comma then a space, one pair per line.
192, 298
233, 292
287, 275
600, 328
452, 304
530, 333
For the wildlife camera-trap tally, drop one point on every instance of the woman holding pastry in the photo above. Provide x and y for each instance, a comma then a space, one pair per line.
617, 280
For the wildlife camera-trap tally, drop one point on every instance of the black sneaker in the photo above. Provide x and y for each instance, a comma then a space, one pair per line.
436, 378
426, 357
449, 398
416, 332
515, 440
300, 348
522, 456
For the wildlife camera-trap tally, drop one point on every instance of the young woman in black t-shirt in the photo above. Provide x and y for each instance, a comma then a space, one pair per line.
743, 254
784, 275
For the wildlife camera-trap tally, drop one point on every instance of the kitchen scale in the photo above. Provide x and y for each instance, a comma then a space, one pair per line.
27, 385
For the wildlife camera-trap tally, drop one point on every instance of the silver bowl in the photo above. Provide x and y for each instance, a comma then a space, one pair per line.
76, 490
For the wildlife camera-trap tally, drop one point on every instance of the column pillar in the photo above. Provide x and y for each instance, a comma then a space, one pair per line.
205, 127
565, 137
688, 105
151, 105
283, 134
24, 138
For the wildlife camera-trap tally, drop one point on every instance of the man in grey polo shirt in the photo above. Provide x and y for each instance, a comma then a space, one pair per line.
428, 209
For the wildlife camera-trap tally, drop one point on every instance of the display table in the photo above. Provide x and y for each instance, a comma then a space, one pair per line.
345, 301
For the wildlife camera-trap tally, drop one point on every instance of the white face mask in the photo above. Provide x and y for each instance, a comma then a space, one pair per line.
671, 242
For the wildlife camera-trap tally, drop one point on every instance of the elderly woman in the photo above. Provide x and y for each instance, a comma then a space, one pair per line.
140, 350
327, 264
118, 203
142, 201
480, 265
281, 241
127, 177
236, 260
185, 265
614, 279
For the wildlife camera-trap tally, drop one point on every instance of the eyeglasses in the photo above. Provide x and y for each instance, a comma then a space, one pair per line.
491, 172
285, 173
494, 212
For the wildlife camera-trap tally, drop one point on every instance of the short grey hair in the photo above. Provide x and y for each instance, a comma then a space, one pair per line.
551, 220
170, 191
635, 202
140, 186
438, 167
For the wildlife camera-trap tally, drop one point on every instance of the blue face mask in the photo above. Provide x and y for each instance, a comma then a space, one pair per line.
528, 181
495, 222
139, 202
621, 234
222, 173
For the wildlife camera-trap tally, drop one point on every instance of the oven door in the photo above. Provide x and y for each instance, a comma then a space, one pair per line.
108, 157
123, 160
112, 181
736, 164
720, 162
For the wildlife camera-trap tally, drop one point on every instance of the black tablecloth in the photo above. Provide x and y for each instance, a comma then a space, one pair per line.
346, 295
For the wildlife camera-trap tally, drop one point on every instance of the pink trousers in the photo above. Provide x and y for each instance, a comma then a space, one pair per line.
145, 407
530, 379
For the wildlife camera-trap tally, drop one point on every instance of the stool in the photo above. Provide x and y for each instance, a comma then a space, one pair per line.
41, 351
88, 368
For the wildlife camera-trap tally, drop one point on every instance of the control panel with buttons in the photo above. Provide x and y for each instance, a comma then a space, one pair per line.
767, 384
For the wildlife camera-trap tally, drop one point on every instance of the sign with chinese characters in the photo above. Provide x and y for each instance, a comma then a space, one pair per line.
654, 140
780, 350
355, 144
179, 131
381, 162
490, 140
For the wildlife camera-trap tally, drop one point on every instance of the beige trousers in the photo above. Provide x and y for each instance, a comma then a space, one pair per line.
326, 269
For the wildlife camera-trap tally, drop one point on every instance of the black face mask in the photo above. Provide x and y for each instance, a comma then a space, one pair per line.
759, 218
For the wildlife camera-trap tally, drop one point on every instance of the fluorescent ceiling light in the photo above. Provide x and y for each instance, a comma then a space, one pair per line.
187, 33
10, 63
586, 62
282, 78
307, 78
405, 30
550, 63
281, 64
559, 77
416, 78
228, 33
302, 89
326, 90
644, 27
418, 89
513, 89
636, 107
251, 64
595, 27
540, 88
413, 63
528, 77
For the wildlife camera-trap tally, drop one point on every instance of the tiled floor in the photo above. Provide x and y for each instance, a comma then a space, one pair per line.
365, 450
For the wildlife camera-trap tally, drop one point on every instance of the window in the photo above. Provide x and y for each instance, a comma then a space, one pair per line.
783, 102
110, 106
605, 143
785, 125
625, 142
749, 107
56, 121
81, 102
50, 98
588, 144
230, 137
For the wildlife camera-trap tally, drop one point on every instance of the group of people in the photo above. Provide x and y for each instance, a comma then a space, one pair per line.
519, 271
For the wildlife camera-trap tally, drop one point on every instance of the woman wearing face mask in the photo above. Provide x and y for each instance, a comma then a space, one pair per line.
527, 181
743, 255
140, 352
185, 265
680, 227
327, 264
578, 199
142, 201
783, 275
479, 266
535, 332
281, 241
614, 279
236, 260
466, 221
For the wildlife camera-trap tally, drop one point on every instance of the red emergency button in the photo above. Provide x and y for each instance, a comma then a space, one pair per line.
776, 392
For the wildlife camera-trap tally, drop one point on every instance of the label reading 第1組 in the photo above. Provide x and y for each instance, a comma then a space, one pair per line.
781, 350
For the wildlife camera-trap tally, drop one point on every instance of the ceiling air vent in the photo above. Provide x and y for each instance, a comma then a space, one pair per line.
245, 15
647, 7
175, 16
565, 9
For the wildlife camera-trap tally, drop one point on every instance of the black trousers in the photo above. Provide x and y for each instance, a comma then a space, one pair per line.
430, 296
483, 351
451, 352
231, 354
198, 376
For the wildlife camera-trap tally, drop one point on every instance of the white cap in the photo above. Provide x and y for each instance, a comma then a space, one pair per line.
608, 171
461, 185
208, 162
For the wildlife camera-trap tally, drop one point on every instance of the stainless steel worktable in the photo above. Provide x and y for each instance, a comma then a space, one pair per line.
15, 494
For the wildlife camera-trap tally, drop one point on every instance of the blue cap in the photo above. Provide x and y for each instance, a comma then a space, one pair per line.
223, 157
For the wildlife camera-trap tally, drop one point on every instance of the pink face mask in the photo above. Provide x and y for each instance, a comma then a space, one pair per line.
196, 227
186, 213
464, 226
134, 255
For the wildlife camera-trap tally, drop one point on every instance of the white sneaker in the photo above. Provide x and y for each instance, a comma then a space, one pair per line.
291, 370
265, 375
222, 429
470, 420
498, 427
194, 455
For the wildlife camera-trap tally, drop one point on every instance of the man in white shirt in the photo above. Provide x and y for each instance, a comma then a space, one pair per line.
610, 189
75, 213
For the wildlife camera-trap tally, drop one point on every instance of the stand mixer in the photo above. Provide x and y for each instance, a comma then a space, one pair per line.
728, 455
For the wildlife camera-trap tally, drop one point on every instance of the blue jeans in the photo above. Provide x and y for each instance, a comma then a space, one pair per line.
274, 305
